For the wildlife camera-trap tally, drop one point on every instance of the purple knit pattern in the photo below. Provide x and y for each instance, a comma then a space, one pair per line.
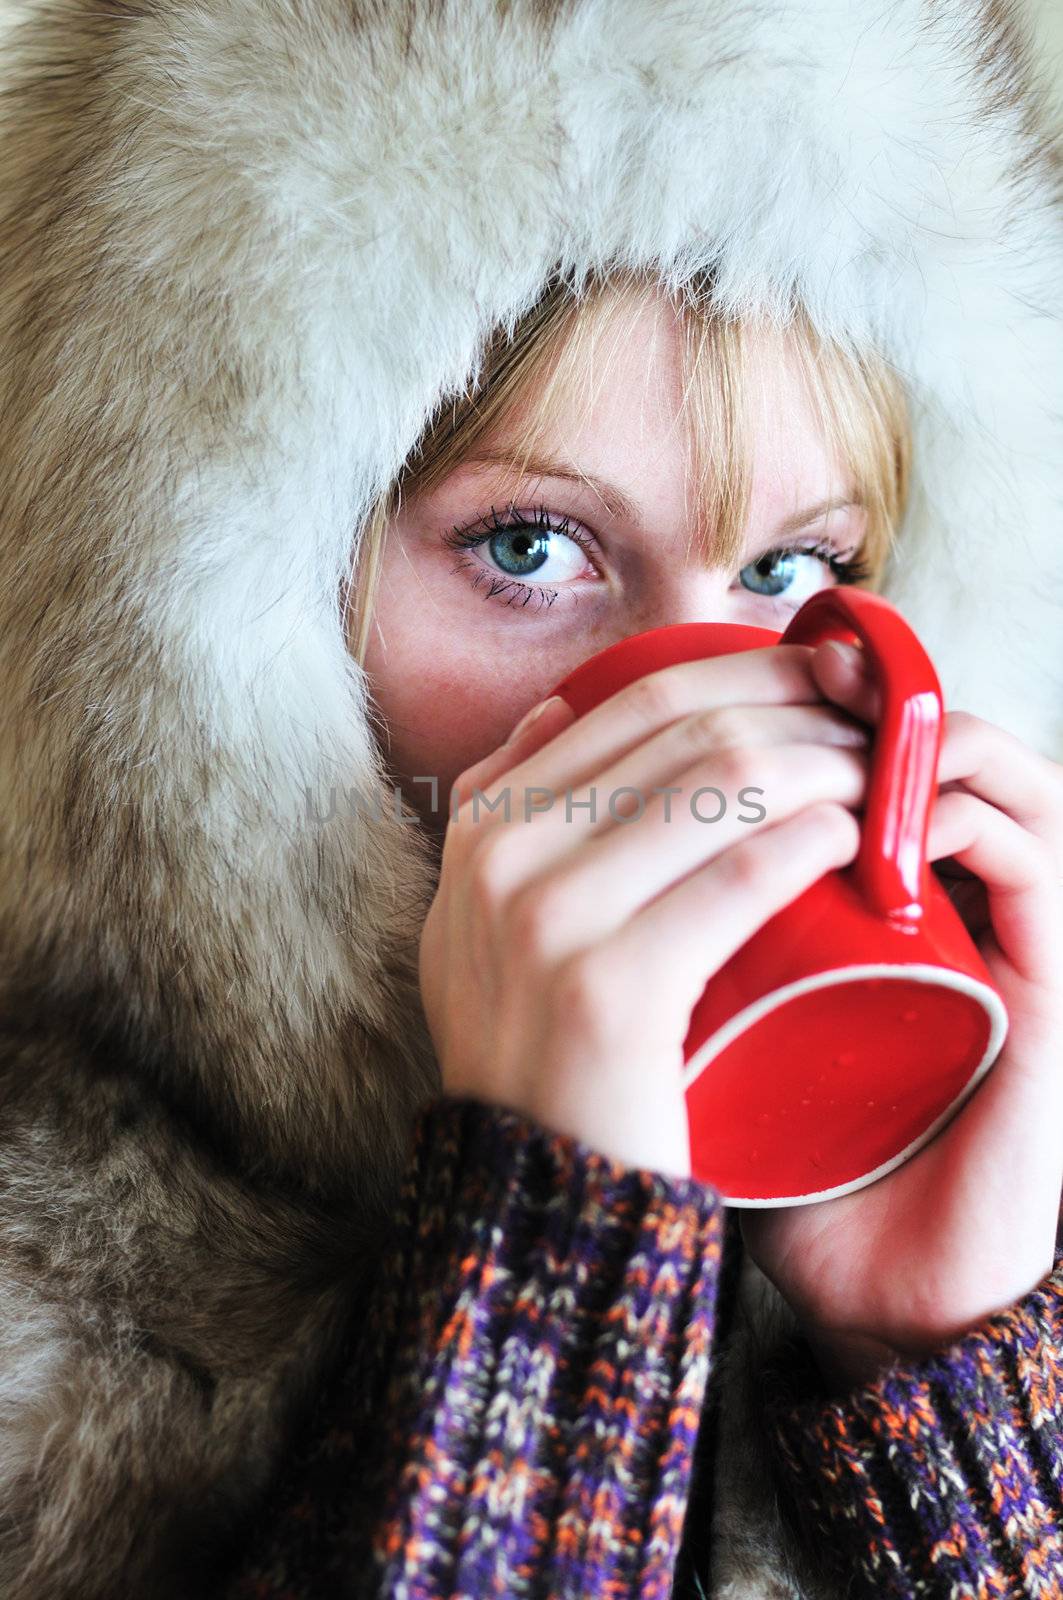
542, 1427
517, 1414
943, 1478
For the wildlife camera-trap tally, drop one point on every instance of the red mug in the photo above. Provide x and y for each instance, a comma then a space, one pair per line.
854, 1025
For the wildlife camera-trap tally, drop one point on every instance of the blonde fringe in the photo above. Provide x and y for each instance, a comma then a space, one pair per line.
527, 373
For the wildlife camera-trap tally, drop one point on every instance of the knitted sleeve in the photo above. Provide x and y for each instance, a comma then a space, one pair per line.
518, 1413
943, 1478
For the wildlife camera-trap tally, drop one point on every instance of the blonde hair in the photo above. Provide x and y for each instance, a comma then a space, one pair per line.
529, 370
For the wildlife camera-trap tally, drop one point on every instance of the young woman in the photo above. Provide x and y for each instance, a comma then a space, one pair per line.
363, 372
542, 1330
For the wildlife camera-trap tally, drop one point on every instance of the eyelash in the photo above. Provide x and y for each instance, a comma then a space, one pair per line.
847, 570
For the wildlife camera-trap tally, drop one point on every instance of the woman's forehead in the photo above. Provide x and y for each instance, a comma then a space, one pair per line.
627, 411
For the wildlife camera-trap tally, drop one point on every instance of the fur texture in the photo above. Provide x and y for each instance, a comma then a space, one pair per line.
246, 247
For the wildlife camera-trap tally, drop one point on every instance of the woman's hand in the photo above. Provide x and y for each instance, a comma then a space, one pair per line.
967, 1226
566, 947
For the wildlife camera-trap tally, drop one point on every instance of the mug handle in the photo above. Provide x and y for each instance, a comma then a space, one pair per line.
891, 868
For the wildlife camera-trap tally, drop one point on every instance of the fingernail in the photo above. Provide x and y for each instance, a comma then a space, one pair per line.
848, 654
533, 716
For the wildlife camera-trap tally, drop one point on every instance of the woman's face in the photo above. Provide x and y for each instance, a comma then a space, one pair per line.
465, 639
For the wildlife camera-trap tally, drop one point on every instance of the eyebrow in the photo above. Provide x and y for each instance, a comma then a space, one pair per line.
619, 504
614, 501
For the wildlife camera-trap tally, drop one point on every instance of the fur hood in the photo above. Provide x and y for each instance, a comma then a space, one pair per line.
246, 248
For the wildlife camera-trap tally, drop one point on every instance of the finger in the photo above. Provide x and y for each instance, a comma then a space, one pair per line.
1022, 889
686, 762
841, 671
685, 755
556, 714
590, 891
776, 674
984, 758
686, 934
994, 765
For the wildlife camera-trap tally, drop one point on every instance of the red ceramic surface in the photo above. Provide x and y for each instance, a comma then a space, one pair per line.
858, 1020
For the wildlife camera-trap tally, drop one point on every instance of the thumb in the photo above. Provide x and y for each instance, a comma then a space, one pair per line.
842, 673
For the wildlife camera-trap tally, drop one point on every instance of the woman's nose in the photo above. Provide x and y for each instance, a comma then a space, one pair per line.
693, 595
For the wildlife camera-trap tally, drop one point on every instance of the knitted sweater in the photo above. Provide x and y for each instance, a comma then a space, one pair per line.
518, 1403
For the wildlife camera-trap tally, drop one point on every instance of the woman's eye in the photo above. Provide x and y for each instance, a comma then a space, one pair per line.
521, 546
782, 573
519, 552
